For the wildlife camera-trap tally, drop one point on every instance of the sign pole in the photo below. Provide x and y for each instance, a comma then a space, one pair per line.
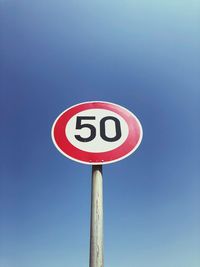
96, 224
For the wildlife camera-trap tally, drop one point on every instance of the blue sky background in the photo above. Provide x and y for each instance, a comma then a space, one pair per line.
143, 55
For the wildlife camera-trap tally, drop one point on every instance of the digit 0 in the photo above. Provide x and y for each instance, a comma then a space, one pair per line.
103, 129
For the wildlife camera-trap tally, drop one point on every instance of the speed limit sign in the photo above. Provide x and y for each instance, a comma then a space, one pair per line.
96, 132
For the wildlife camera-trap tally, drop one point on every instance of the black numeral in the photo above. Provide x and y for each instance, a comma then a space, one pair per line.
103, 134
85, 125
103, 129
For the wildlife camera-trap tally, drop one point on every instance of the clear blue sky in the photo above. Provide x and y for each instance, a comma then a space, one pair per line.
143, 55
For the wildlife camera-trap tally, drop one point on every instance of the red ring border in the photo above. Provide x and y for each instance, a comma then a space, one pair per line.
65, 147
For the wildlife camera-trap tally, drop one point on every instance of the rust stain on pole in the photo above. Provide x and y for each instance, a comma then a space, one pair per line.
96, 224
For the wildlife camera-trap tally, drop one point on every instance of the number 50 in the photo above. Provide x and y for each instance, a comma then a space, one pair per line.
80, 125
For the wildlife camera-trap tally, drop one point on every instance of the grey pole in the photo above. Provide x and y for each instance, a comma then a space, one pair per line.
96, 224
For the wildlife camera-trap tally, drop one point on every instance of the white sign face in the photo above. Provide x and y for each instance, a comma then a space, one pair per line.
100, 130
96, 133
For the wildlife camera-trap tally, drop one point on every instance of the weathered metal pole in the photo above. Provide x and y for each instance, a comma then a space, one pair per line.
96, 224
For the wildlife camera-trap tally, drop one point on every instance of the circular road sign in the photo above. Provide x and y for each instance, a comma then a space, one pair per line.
96, 133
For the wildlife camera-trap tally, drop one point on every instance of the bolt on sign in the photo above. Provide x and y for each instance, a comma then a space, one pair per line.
96, 133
